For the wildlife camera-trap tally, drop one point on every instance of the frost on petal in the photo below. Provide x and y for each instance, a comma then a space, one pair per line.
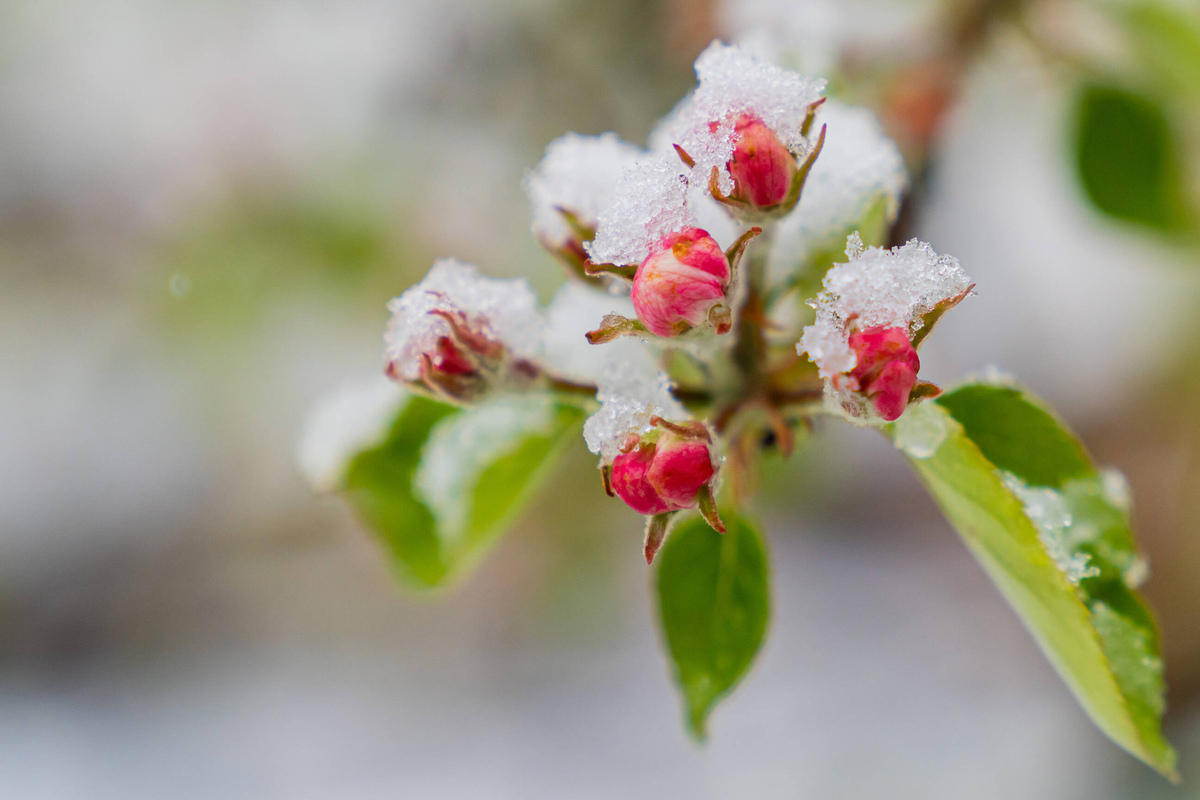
733, 81
877, 287
859, 166
650, 202
565, 351
462, 446
502, 309
353, 418
630, 396
578, 174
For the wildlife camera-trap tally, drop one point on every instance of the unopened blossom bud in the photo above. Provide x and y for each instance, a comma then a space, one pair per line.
681, 285
872, 315
667, 473
459, 335
762, 168
886, 369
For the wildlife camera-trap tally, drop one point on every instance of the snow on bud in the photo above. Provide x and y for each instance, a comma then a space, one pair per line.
681, 285
652, 454
650, 202
631, 394
573, 183
744, 129
460, 335
873, 313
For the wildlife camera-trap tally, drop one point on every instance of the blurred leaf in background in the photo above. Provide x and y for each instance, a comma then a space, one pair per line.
1127, 155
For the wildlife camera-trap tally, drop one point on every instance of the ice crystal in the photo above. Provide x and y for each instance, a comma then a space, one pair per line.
578, 174
732, 81
353, 418
462, 446
503, 309
630, 396
1115, 488
859, 167
565, 351
1048, 510
650, 202
877, 287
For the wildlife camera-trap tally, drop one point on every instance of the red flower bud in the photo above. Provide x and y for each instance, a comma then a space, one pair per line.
762, 167
655, 477
886, 369
682, 284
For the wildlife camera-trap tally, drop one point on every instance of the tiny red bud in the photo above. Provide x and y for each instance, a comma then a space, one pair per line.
886, 369
664, 475
762, 167
679, 282
630, 483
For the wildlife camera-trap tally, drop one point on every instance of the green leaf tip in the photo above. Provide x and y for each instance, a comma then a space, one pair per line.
1054, 535
714, 605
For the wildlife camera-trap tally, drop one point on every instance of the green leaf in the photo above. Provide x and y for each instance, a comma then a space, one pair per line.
1054, 534
447, 482
1127, 158
1166, 36
714, 601
1017, 436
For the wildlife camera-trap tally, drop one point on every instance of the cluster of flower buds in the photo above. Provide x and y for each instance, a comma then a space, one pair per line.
741, 139
737, 154
874, 312
460, 336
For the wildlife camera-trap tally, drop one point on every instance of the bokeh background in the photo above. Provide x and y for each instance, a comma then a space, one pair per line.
204, 207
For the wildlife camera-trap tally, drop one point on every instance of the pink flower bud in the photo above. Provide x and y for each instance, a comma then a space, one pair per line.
885, 369
682, 284
762, 167
654, 477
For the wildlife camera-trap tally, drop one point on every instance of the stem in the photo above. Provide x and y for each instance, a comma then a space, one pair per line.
570, 387
750, 344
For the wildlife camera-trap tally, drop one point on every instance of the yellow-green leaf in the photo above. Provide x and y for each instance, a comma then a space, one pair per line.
1054, 535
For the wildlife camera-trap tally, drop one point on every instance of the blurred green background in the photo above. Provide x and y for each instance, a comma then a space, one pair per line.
204, 208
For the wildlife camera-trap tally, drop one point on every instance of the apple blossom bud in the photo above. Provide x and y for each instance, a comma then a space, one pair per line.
885, 369
663, 473
682, 284
762, 167
459, 335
